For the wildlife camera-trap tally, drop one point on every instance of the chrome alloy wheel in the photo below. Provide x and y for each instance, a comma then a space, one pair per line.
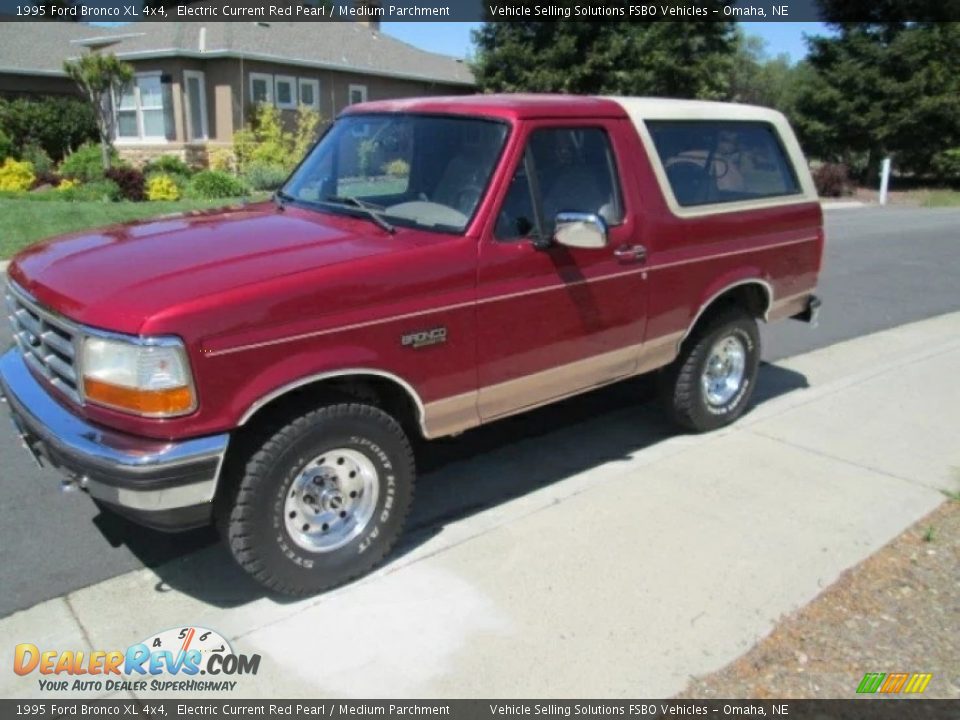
723, 375
332, 500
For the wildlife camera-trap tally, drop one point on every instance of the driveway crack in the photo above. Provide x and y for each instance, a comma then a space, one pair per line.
845, 461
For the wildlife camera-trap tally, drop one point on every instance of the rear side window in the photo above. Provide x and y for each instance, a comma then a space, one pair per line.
710, 162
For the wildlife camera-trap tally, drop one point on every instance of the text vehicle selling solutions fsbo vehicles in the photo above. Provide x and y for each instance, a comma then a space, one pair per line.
432, 265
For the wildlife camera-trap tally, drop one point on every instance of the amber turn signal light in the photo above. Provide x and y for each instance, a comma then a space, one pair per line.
172, 401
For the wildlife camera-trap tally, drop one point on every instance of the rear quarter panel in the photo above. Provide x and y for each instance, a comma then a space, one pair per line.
694, 254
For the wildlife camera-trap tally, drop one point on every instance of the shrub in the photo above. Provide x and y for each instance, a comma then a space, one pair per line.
832, 180
85, 163
306, 133
6, 145
57, 124
167, 165
16, 175
67, 184
946, 165
130, 181
38, 157
212, 185
96, 191
398, 168
162, 187
264, 176
46, 179
265, 142
222, 160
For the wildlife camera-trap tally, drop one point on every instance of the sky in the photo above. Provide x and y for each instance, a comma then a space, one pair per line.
454, 38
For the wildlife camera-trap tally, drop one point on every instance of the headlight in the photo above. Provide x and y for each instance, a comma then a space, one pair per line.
149, 379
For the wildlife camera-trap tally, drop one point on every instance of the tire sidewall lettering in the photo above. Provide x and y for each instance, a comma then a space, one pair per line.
733, 405
385, 502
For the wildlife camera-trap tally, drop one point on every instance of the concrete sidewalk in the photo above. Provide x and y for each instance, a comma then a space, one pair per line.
646, 559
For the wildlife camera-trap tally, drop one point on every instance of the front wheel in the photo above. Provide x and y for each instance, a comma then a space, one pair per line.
323, 500
710, 384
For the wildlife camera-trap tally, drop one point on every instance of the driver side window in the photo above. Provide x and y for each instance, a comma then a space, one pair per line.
564, 169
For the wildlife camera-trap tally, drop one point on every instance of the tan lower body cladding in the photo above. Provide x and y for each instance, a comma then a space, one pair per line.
462, 412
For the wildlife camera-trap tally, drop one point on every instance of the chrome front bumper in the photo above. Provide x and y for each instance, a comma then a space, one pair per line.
167, 485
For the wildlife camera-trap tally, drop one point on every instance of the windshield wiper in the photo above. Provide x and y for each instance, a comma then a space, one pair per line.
371, 211
280, 199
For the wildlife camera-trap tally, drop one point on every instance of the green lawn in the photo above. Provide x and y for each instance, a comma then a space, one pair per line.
23, 222
940, 198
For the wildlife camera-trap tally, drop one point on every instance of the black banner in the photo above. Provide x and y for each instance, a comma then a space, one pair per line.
859, 709
465, 10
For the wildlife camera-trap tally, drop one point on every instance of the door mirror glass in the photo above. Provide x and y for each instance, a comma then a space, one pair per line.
580, 230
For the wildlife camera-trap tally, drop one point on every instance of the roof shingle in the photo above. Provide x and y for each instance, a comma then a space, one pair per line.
41, 48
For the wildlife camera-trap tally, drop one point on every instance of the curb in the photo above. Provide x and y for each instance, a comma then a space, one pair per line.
843, 205
3, 265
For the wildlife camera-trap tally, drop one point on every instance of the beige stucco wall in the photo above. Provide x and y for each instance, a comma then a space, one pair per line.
227, 86
334, 87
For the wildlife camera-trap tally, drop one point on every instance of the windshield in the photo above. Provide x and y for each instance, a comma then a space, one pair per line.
416, 170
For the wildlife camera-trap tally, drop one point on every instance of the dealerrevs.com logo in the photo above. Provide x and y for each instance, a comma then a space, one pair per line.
171, 661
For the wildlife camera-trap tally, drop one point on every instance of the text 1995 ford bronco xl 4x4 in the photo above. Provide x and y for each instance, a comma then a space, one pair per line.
433, 264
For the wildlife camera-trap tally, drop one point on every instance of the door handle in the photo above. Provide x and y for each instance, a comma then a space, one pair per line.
630, 253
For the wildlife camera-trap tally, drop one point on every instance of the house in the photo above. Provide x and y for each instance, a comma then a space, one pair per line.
197, 82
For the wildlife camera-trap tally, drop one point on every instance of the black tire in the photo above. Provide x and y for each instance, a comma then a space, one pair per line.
255, 529
681, 390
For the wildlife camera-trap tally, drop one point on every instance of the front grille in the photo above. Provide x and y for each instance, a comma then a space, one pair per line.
46, 341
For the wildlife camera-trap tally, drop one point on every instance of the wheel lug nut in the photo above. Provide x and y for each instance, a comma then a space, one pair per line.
343, 513
325, 527
353, 493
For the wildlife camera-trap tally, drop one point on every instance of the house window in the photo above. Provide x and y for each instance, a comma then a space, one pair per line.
310, 93
140, 109
261, 88
195, 94
357, 94
285, 89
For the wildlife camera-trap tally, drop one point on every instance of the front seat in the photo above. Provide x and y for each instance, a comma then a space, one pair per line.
460, 185
577, 189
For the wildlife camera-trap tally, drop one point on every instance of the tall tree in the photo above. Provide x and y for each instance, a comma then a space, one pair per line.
98, 76
883, 88
758, 79
669, 59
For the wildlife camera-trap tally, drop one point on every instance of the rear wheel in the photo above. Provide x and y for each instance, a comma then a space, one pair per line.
711, 382
323, 500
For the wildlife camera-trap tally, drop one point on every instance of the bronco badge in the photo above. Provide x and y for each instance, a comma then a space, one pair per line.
424, 338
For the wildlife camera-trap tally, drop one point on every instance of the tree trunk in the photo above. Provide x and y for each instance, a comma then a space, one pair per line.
105, 151
105, 122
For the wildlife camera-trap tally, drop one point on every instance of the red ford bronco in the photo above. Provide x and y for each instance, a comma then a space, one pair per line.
432, 265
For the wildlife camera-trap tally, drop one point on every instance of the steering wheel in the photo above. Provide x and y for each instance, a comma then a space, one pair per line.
724, 167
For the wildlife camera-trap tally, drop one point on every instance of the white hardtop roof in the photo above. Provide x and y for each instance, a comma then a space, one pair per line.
654, 108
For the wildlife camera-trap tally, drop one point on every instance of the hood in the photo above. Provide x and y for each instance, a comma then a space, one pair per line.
118, 277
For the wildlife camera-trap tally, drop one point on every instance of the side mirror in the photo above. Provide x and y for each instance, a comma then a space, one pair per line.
580, 230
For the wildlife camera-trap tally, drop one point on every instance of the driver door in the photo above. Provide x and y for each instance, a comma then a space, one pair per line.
558, 320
